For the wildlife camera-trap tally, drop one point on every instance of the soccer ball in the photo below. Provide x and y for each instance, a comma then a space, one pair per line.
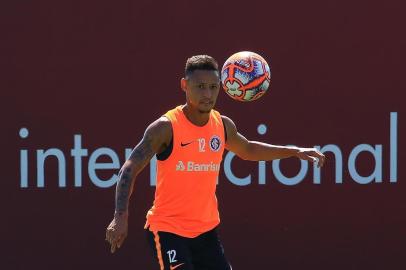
245, 76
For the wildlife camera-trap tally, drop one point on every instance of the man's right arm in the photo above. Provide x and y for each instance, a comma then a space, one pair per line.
156, 137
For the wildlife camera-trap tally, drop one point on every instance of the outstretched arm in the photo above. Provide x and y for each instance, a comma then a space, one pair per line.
156, 137
253, 150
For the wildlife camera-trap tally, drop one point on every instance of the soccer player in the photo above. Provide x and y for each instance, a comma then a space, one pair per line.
188, 142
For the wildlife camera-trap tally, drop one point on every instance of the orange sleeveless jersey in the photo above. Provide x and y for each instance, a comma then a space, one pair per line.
185, 200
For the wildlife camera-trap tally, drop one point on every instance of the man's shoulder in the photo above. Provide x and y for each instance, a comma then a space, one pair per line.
226, 120
229, 125
159, 132
162, 124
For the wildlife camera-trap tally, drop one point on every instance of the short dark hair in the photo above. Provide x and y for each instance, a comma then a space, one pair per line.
200, 62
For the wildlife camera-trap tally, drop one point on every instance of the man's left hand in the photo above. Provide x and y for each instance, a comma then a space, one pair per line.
311, 154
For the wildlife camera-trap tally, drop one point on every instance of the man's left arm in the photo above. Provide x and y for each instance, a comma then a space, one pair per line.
255, 151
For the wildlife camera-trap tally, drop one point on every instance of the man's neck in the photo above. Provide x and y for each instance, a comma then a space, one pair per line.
195, 117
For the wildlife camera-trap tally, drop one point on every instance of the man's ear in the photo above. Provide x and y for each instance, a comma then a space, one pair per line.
183, 84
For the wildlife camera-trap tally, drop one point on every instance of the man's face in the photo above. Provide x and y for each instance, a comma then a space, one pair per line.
202, 88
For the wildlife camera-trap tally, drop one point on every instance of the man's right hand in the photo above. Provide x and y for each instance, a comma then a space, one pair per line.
117, 231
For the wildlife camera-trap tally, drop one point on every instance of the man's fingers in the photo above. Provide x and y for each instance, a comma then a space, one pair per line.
117, 242
313, 156
321, 159
308, 157
315, 160
110, 236
112, 239
114, 244
120, 241
113, 247
107, 236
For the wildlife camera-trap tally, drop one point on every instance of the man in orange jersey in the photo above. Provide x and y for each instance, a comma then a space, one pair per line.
188, 142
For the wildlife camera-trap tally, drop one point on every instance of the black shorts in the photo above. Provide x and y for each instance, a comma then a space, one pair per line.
203, 252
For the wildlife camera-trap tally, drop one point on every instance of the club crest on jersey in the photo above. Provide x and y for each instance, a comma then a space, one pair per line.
215, 143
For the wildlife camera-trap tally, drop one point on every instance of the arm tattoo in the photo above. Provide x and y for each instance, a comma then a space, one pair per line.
123, 190
143, 151
141, 155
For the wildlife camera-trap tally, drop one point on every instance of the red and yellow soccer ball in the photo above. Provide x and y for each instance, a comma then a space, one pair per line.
245, 76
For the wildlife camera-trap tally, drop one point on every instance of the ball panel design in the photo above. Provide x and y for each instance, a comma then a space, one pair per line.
245, 76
